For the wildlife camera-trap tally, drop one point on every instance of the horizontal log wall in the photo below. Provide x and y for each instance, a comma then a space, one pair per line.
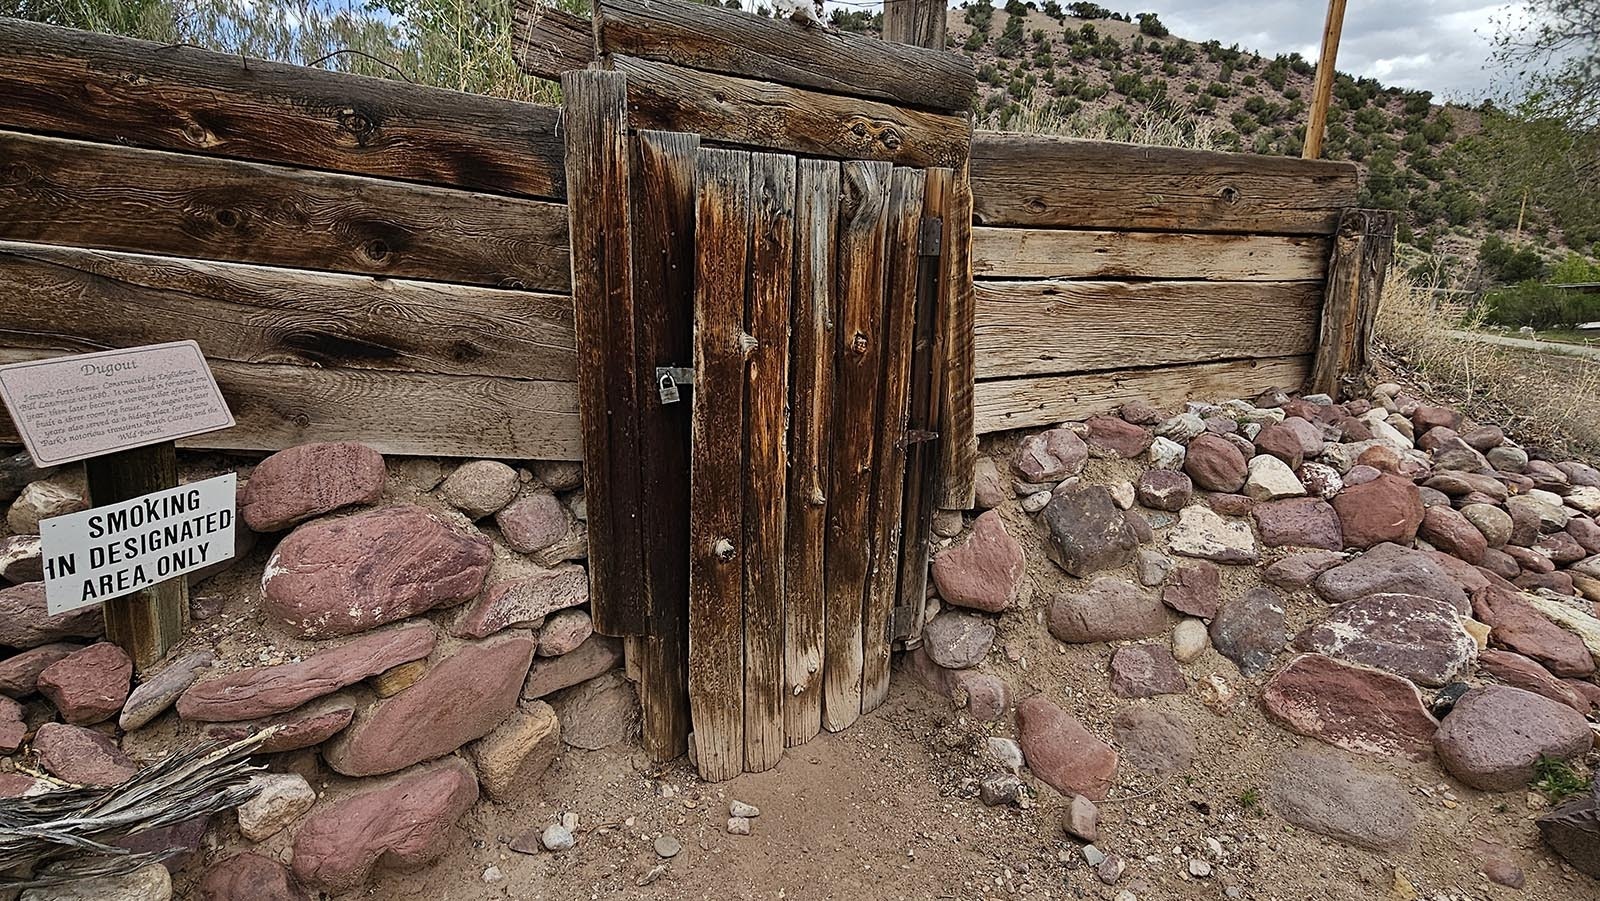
1109, 272
359, 258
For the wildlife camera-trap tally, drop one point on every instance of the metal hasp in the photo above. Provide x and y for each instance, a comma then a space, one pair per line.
669, 379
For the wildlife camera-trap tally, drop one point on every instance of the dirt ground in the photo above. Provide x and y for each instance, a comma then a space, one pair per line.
888, 809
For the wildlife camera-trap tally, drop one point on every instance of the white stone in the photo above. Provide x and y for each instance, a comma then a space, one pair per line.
1585, 499
1166, 454
1271, 479
1180, 428
42, 500
148, 883
1250, 429
1005, 751
1202, 532
1036, 501
1152, 567
1321, 400
738, 825
1383, 431
280, 800
1189, 640
1122, 494
556, 837
1199, 868
741, 809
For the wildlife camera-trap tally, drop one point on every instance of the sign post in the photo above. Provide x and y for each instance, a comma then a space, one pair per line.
120, 412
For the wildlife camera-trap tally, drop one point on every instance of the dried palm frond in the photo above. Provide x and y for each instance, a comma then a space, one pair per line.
75, 828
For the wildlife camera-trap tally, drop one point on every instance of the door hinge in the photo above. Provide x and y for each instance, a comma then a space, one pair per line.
930, 237
669, 381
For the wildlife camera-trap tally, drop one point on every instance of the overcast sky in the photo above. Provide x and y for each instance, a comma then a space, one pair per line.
1438, 45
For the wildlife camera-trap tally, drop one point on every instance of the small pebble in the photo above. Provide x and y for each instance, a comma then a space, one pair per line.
738, 825
493, 874
1199, 868
556, 837
1093, 856
741, 809
667, 846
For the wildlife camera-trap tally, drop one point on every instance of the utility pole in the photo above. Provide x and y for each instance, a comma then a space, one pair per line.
1322, 93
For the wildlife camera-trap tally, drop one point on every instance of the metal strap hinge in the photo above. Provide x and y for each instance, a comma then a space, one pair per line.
930, 236
669, 381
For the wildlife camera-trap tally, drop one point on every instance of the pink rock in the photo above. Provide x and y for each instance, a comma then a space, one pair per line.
1195, 589
524, 602
564, 632
1146, 670
303, 727
1416, 637
301, 482
1215, 464
985, 571
1296, 571
1450, 532
82, 756
12, 727
1298, 522
1060, 751
1388, 508
1231, 504
1050, 456
25, 621
1164, 489
402, 824
1518, 671
534, 521
1585, 689
1393, 569
1496, 734
1087, 532
1110, 435
989, 489
20, 560
88, 686
342, 576
19, 675
1280, 441
588, 660
1515, 625
1109, 609
262, 691
460, 699
985, 697
250, 877
1352, 707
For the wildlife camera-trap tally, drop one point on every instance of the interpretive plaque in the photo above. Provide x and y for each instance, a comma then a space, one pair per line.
72, 408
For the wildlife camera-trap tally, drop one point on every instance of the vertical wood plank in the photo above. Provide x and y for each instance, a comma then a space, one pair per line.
889, 469
663, 277
1376, 256
922, 457
716, 524
772, 188
150, 621
863, 223
958, 437
811, 433
1362, 250
595, 124
919, 22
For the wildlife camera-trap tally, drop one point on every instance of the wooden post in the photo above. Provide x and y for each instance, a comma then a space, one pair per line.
150, 621
919, 22
1322, 93
1362, 250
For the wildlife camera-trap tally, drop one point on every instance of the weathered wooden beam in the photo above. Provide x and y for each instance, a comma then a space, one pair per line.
923, 23
595, 125
811, 435
863, 229
1362, 251
67, 192
1017, 403
550, 41
769, 116
150, 621
1036, 253
663, 278
279, 406
101, 299
1050, 182
103, 88
1322, 86
898, 331
771, 291
1062, 327
957, 367
723, 216
731, 42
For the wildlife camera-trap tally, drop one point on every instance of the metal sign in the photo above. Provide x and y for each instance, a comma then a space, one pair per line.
106, 552
72, 408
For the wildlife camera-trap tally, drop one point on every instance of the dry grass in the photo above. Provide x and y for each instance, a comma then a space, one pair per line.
1163, 126
1541, 398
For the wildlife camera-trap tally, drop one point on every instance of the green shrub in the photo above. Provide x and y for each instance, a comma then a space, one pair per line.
1508, 263
1539, 305
979, 14
1150, 24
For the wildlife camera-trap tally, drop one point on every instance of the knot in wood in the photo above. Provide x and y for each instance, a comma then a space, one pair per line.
723, 550
228, 218
858, 344
376, 250
1228, 195
357, 123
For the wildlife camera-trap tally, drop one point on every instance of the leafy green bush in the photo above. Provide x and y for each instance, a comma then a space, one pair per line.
979, 14
1150, 24
1539, 305
1509, 263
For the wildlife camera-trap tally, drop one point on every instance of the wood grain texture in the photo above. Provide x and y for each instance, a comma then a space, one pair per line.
923, 23
899, 320
723, 214
922, 457
811, 434
58, 191
78, 84
663, 279
99, 299
1036, 253
1004, 404
279, 406
766, 459
731, 42
148, 622
597, 159
863, 228
958, 438
1361, 254
1057, 327
770, 116
1050, 182
550, 41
